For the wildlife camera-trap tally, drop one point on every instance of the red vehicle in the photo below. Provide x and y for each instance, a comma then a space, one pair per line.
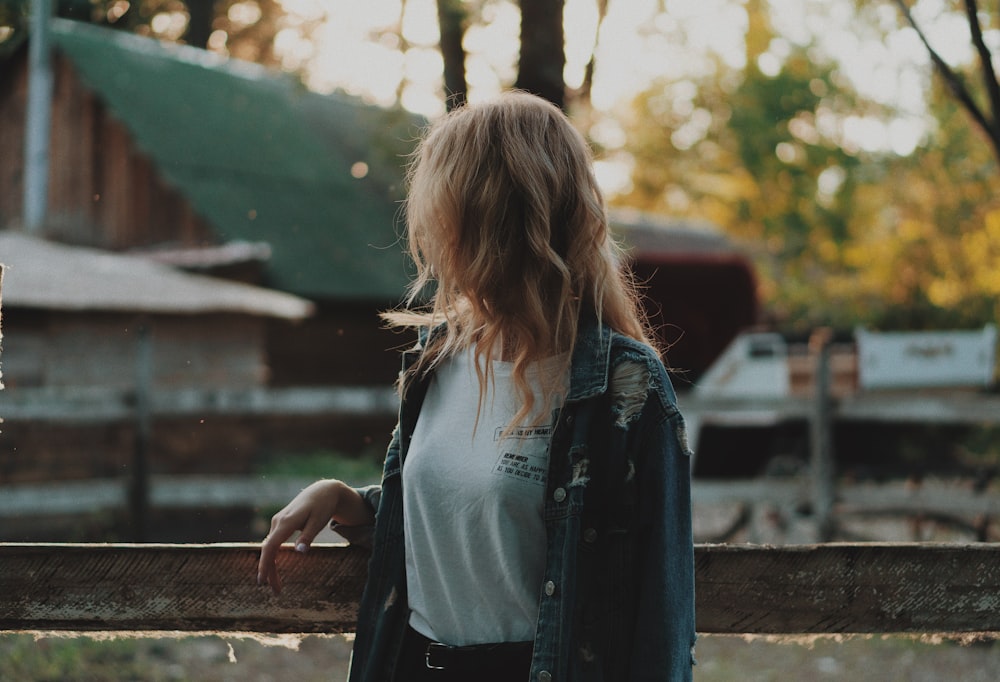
700, 289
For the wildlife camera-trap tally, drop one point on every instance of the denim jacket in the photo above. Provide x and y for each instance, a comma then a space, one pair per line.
617, 599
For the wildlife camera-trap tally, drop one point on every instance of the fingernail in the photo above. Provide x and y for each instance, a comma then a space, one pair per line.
260, 580
302, 548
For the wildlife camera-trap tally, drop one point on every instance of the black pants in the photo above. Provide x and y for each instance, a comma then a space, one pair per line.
508, 662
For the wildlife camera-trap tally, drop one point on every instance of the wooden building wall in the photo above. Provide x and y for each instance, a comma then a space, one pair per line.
343, 344
56, 349
13, 99
103, 190
64, 350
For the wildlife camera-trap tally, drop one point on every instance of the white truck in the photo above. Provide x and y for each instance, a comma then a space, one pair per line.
761, 381
763, 365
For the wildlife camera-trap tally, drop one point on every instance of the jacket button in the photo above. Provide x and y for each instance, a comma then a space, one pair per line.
550, 588
589, 535
559, 495
545, 676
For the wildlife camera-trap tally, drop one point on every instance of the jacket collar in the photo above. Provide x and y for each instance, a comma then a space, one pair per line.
591, 359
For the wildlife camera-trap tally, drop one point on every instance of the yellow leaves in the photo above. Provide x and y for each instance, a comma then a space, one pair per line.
827, 251
981, 250
730, 186
910, 230
945, 293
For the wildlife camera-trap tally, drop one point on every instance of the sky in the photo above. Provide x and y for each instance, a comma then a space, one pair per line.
357, 49
631, 50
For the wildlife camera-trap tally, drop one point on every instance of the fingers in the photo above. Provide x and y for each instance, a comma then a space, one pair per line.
282, 527
309, 513
267, 570
313, 525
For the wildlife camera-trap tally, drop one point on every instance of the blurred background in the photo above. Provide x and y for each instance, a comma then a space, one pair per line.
199, 222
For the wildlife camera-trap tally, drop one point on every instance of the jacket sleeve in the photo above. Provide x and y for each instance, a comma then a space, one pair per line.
663, 648
361, 535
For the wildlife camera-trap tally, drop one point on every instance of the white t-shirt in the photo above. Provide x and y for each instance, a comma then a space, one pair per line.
472, 506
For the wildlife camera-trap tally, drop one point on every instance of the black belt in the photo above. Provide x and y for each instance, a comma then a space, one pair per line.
477, 657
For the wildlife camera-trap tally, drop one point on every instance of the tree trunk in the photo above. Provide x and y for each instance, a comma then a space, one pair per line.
201, 14
452, 18
540, 68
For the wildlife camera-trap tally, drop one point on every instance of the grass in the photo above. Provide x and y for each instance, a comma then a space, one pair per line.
354, 469
22, 657
221, 657
357, 470
198, 658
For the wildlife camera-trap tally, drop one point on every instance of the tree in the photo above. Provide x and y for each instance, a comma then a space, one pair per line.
542, 59
245, 29
929, 252
985, 115
453, 20
841, 236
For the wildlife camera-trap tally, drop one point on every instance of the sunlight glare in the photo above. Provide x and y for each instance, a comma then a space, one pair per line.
614, 174
217, 41
243, 14
308, 10
295, 51
423, 65
865, 133
828, 182
769, 64
420, 23
905, 134
580, 21
639, 44
492, 50
422, 101
169, 25
117, 10
608, 133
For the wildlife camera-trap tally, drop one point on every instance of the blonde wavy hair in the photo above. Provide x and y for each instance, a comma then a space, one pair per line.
507, 225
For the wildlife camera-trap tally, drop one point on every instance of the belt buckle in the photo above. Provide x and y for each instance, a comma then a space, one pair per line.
434, 646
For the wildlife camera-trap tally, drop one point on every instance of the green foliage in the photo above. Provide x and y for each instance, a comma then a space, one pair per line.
841, 236
355, 469
22, 657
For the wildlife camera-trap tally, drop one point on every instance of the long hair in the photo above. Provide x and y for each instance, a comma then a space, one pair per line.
507, 225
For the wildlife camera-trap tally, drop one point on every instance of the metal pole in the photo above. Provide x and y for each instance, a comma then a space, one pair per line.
38, 117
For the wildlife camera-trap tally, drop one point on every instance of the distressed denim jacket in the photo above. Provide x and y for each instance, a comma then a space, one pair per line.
617, 599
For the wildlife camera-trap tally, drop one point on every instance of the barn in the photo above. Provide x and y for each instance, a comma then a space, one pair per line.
224, 168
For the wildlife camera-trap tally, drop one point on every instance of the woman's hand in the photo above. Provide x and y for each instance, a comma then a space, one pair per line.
309, 512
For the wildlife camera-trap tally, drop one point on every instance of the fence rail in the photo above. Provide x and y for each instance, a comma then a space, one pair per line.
831, 588
38, 500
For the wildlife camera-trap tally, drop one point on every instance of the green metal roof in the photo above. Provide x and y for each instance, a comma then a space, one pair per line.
261, 158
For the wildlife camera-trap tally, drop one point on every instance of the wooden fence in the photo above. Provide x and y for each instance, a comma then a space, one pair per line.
826, 588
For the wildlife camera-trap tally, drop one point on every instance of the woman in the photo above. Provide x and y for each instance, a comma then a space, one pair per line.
533, 520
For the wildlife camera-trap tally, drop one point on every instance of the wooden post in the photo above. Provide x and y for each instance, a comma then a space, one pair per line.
38, 117
138, 491
821, 438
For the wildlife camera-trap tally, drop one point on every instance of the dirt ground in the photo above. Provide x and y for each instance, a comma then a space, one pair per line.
228, 658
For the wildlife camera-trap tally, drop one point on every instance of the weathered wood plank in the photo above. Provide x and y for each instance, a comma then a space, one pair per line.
38, 500
849, 588
176, 587
835, 588
90, 404
940, 406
